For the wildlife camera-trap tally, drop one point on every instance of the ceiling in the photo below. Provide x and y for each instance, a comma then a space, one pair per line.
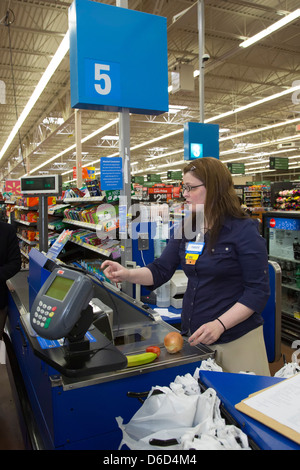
32, 30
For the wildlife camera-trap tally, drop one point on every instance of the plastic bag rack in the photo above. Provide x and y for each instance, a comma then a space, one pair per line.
184, 416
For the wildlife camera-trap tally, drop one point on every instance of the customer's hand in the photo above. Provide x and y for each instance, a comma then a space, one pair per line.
114, 271
208, 333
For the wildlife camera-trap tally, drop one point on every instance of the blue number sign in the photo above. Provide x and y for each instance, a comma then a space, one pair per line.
200, 140
118, 59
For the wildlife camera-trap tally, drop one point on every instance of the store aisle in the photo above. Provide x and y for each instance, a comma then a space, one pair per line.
10, 431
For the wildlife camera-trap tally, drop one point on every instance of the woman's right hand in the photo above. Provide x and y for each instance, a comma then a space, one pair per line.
114, 271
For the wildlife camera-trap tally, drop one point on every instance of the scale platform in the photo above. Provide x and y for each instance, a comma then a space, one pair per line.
106, 358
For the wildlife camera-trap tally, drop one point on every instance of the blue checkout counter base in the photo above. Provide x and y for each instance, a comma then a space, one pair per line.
79, 416
231, 389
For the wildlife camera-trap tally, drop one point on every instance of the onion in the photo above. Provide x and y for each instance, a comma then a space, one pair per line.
173, 342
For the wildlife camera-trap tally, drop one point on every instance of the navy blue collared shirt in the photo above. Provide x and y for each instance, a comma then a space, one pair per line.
236, 270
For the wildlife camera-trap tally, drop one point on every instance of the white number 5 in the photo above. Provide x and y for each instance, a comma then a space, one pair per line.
102, 76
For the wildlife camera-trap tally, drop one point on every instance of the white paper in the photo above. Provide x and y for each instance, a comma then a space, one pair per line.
164, 312
281, 402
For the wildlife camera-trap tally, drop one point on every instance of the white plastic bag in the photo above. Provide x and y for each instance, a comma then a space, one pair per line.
288, 370
183, 418
163, 411
210, 364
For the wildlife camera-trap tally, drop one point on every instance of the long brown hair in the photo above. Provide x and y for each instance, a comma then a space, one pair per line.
221, 198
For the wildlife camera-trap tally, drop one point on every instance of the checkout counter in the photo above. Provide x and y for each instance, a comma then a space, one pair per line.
75, 387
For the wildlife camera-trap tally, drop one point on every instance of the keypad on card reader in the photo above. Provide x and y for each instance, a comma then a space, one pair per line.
43, 315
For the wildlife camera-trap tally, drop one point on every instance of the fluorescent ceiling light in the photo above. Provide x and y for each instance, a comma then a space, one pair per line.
181, 150
258, 168
263, 144
57, 58
258, 162
253, 156
174, 109
143, 144
101, 129
294, 156
177, 106
152, 168
170, 134
255, 103
260, 129
52, 159
158, 149
55, 61
262, 170
259, 171
248, 157
180, 162
110, 137
53, 120
164, 155
274, 27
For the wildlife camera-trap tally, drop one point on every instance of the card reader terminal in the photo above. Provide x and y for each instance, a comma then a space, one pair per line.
60, 302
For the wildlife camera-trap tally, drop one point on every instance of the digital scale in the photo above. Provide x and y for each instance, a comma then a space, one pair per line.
41, 185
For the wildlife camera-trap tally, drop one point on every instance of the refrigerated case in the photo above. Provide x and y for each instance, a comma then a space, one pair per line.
281, 229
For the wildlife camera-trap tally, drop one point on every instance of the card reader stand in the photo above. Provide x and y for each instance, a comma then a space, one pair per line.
75, 340
101, 356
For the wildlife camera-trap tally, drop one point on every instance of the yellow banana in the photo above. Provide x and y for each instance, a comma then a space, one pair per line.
139, 359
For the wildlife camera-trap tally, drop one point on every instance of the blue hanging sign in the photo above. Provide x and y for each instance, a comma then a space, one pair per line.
200, 140
118, 59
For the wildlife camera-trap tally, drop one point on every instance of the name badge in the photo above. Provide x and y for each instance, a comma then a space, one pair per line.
195, 247
193, 251
191, 258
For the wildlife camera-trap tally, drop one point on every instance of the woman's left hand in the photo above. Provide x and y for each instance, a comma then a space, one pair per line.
208, 333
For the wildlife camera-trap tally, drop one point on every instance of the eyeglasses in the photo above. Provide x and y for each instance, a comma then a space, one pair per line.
188, 188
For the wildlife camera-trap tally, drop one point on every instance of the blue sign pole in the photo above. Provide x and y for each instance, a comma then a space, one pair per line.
201, 39
125, 194
118, 63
